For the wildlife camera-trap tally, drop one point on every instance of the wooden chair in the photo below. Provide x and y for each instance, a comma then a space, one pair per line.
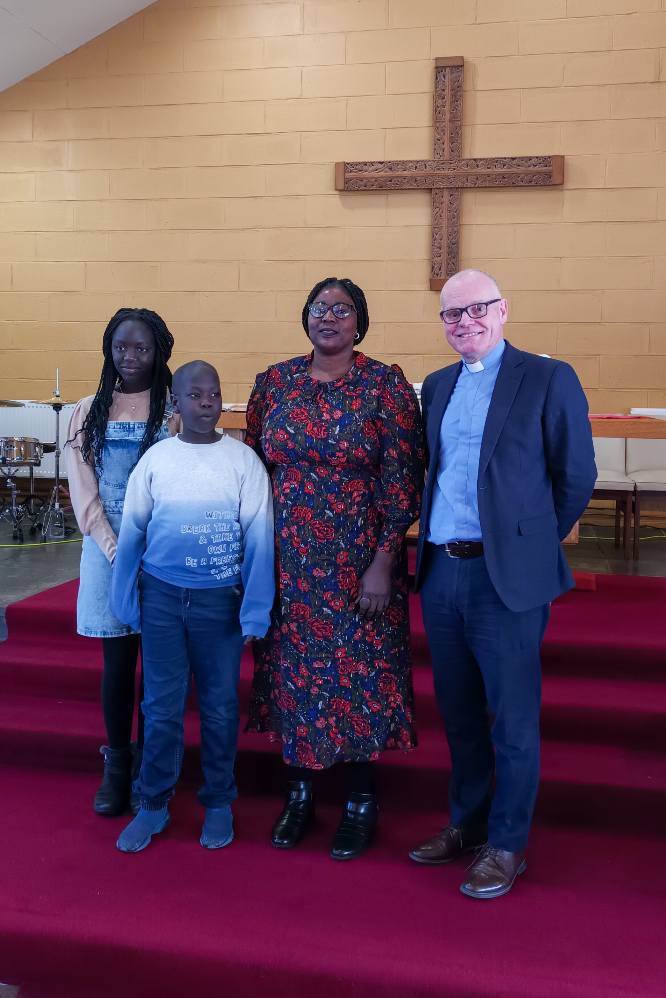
646, 467
614, 483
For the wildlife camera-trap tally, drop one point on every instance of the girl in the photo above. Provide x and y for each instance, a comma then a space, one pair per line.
108, 433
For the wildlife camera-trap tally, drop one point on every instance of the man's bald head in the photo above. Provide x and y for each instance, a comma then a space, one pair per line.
476, 279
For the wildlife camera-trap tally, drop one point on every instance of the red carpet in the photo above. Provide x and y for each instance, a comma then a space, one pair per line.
78, 918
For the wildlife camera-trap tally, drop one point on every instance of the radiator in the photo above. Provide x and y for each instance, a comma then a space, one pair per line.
34, 419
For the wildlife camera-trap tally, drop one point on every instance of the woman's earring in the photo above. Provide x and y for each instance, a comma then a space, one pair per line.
357, 336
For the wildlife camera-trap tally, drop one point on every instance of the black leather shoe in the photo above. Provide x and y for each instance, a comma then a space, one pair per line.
297, 814
112, 798
357, 827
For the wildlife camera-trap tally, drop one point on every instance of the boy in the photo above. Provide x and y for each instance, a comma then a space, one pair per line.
198, 522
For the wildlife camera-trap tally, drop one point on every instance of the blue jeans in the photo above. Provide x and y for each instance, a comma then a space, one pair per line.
183, 630
487, 671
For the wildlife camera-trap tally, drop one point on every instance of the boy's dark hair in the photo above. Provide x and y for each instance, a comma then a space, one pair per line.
94, 426
186, 370
354, 292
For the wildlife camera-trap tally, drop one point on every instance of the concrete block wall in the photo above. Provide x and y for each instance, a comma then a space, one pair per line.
184, 161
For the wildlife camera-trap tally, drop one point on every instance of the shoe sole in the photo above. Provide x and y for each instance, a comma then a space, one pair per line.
146, 842
498, 892
353, 855
345, 859
111, 812
298, 840
443, 862
217, 845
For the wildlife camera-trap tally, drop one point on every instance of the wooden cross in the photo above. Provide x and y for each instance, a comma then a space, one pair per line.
447, 173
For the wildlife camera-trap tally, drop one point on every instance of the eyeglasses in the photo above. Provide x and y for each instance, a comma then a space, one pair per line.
341, 310
475, 311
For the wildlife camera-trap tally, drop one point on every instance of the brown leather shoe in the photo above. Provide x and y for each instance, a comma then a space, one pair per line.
493, 873
450, 843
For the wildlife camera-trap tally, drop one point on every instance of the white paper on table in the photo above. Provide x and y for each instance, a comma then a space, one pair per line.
655, 413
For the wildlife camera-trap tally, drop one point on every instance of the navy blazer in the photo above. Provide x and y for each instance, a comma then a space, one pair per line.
536, 472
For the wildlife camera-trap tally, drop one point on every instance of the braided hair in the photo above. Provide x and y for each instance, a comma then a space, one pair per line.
94, 426
354, 292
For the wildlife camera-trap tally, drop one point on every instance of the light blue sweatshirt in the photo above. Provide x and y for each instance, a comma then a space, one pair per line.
198, 516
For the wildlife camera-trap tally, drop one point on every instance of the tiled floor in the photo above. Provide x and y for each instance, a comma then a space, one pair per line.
596, 552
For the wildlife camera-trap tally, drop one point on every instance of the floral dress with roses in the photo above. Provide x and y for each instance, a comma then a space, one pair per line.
346, 463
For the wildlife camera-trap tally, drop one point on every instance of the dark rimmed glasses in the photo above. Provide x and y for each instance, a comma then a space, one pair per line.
476, 310
341, 310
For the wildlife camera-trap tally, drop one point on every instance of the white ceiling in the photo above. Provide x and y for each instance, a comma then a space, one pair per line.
34, 33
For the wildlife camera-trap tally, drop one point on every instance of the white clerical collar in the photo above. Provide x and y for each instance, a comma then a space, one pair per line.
491, 361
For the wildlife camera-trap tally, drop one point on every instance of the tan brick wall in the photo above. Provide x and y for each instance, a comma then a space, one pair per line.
184, 161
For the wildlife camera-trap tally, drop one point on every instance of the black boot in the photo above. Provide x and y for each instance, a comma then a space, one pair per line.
357, 826
298, 812
112, 798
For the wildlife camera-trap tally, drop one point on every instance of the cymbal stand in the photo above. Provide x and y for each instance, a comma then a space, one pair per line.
16, 511
27, 507
53, 522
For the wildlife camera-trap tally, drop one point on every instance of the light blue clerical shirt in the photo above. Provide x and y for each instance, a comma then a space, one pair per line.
455, 506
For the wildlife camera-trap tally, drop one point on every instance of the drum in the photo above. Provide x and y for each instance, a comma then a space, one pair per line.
15, 451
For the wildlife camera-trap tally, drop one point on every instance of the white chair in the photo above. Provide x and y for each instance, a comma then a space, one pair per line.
646, 467
613, 483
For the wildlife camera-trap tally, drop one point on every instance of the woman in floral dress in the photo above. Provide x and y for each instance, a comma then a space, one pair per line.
341, 436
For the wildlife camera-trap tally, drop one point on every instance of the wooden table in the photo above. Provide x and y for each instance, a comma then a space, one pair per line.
232, 420
638, 427
644, 427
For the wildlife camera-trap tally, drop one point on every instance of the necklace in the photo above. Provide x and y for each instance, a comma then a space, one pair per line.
121, 391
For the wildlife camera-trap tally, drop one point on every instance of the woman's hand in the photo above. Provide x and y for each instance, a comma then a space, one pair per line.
374, 593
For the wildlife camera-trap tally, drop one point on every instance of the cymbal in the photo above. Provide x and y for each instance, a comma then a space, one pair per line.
54, 400
10, 403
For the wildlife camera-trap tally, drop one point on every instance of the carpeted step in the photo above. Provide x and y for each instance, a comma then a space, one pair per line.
81, 919
580, 783
612, 632
614, 712
583, 710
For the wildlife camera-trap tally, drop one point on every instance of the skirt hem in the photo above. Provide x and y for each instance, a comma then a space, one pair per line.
87, 633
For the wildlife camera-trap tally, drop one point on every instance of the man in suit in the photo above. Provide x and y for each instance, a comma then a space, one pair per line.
510, 470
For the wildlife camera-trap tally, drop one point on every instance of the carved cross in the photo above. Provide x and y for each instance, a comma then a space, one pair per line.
448, 173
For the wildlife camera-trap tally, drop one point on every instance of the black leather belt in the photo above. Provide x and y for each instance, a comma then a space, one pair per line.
463, 549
